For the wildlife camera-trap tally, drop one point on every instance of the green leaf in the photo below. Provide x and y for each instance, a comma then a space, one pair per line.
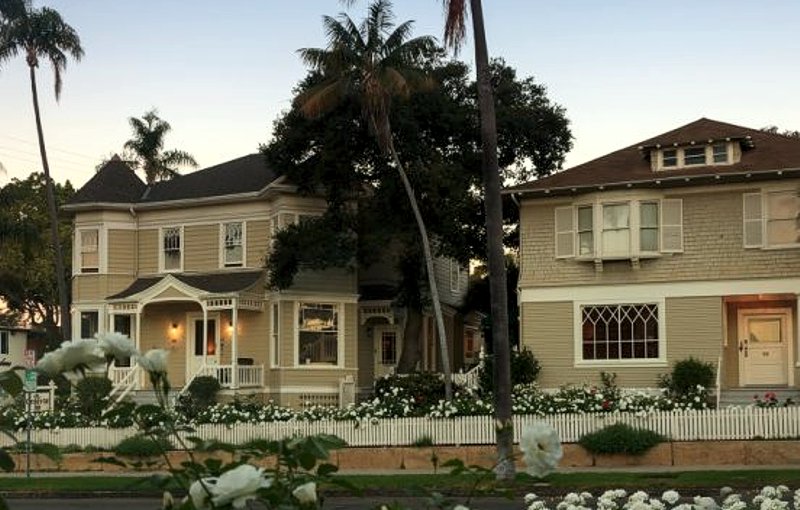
11, 383
6, 462
326, 469
307, 460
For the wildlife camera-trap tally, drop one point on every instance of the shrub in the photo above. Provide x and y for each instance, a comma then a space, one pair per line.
524, 370
141, 447
687, 375
92, 395
423, 388
200, 395
620, 438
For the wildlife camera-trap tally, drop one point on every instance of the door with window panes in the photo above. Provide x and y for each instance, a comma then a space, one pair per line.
196, 343
387, 349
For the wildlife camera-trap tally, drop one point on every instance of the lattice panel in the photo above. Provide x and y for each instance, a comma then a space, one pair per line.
620, 331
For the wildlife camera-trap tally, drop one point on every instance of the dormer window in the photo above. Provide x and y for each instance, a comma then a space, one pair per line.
712, 153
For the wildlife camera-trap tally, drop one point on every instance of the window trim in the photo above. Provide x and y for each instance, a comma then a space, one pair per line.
341, 325
161, 258
223, 264
577, 330
275, 334
455, 269
102, 251
765, 218
680, 154
630, 228
102, 317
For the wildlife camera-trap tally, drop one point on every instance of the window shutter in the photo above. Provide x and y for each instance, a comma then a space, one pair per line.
672, 225
565, 232
753, 218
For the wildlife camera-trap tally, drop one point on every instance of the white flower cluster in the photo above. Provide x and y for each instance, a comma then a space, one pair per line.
769, 498
235, 487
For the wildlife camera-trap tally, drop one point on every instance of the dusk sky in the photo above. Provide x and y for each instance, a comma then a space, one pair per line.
221, 72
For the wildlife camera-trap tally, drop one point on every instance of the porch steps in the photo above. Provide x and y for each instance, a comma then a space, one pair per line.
143, 397
744, 396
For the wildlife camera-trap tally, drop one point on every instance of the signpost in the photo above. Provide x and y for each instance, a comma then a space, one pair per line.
29, 386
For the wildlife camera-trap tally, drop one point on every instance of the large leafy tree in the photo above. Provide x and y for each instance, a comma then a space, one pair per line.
28, 285
436, 129
145, 150
374, 62
42, 35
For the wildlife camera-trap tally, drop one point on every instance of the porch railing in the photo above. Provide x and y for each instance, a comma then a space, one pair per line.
123, 381
249, 376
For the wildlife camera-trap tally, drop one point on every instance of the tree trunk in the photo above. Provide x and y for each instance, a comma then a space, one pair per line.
412, 350
55, 239
494, 244
426, 248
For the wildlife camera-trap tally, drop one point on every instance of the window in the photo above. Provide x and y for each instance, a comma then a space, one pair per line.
89, 250
318, 334
669, 158
4, 342
233, 244
388, 347
720, 153
648, 227
89, 323
585, 230
616, 236
694, 156
782, 218
455, 276
275, 333
620, 332
172, 245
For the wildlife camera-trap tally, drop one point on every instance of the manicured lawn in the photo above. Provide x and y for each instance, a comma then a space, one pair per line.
398, 483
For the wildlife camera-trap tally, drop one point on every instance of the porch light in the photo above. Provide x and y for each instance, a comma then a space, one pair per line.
173, 334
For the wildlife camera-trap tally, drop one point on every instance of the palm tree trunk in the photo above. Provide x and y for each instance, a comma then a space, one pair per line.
55, 239
496, 258
426, 249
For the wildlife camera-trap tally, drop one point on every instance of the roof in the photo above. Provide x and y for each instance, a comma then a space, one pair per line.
116, 183
762, 152
214, 283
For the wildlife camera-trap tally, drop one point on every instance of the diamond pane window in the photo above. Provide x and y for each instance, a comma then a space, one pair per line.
620, 332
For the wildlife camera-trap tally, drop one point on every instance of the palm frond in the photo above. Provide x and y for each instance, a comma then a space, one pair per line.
174, 157
321, 99
455, 25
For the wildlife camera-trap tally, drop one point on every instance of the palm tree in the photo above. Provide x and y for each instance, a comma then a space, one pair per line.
374, 62
42, 34
454, 34
147, 149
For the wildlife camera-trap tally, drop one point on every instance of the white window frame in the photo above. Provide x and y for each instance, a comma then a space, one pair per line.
576, 222
161, 257
640, 227
102, 317
766, 218
340, 317
102, 250
223, 262
630, 228
763, 221
578, 360
680, 153
455, 276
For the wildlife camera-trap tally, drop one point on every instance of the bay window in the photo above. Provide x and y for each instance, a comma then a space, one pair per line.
318, 334
89, 250
648, 227
585, 230
90, 323
616, 229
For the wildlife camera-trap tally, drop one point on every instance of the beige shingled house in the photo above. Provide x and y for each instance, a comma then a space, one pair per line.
179, 265
685, 244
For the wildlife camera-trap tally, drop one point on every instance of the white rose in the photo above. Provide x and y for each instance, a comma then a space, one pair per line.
50, 364
239, 485
154, 361
541, 449
306, 493
117, 346
80, 353
199, 493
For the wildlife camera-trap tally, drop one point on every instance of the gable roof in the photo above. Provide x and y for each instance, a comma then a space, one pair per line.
116, 183
762, 155
214, 283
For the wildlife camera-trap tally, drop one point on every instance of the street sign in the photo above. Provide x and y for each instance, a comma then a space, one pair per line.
30, 382
30, 358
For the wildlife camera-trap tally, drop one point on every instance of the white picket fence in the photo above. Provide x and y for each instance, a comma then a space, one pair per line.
724, 424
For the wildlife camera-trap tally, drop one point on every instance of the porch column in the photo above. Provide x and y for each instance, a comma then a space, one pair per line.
234, 346
205, 334
796, 339
138, 328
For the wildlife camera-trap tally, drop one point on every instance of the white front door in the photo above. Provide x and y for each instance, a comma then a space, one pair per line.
196, 344
387, 349
764, 337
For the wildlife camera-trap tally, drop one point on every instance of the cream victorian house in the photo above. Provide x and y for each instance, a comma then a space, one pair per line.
179, 265
683, 245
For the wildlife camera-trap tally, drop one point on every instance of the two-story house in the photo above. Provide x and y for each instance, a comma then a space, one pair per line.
180, 265
683, 245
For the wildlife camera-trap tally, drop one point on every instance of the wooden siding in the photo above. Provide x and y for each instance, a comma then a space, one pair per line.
97, 287
157, 319
712, 238
148, 251
201, 248
258, 238
122, 251
693, 328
